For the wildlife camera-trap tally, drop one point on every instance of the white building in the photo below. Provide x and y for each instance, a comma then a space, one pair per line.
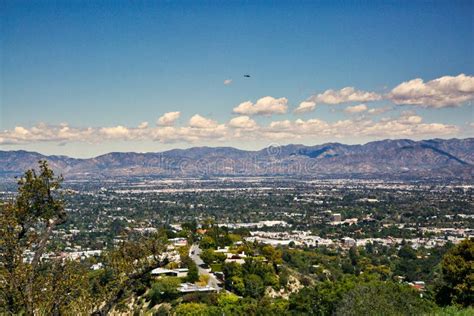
180, 273
190, 288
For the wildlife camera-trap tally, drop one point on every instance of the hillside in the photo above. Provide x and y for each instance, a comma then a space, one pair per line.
403, 158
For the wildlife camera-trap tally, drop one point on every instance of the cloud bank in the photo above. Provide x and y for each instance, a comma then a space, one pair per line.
446, 91
202, 129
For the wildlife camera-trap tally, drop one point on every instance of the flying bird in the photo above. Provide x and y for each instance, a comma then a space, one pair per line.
247, 76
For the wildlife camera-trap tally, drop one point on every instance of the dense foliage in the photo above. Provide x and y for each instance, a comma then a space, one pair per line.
257, 278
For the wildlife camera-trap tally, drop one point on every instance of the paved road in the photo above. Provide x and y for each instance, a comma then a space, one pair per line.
194, 252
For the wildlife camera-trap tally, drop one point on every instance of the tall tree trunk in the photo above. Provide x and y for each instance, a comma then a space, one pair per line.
34, 264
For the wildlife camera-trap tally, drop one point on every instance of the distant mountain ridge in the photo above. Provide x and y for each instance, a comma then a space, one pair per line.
434, 158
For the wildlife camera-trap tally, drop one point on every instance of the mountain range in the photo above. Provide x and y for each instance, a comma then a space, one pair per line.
402, 158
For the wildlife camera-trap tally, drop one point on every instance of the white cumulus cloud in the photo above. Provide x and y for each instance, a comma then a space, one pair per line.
115, 132
168, 119
198, 121
447, 91
377, 111
305, 106
344, 95
143, 125
356, 109
243, 122
264, 106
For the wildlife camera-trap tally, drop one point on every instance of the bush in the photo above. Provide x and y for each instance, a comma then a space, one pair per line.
454, 311
195, 309
378, 298
164, 289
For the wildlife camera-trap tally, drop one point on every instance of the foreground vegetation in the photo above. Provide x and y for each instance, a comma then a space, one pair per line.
283, 280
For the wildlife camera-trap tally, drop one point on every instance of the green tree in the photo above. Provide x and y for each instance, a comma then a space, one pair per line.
208, 256
193, 272
269, 306
126, 266
408, 264
458, 275
207, 242
164, 289
382, 298
322, 298
271, 254
26, 225
231, 271
195, 309
270, 279
64, 289
58, 286
225, 299
254, 286
454, 311
237, 285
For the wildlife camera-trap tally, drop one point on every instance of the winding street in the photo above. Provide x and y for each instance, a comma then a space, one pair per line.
194, 254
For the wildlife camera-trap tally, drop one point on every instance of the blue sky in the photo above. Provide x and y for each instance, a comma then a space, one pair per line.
93, 66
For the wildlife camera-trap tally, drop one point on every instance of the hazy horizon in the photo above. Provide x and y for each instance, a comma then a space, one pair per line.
234, 147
